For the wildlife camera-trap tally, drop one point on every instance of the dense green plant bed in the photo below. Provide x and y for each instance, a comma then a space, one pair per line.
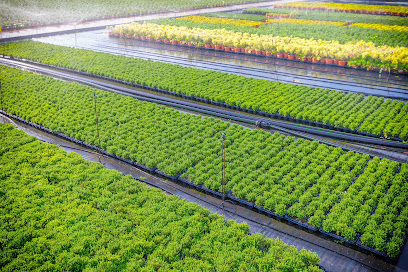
60, 212
239, 16
311, 182
305, 31
372, 114
332, 16
19, 13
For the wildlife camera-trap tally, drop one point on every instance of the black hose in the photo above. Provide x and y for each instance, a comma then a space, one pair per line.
332, 134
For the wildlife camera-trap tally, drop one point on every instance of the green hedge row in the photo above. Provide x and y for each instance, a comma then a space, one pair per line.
305, 31
372, 114
332, 16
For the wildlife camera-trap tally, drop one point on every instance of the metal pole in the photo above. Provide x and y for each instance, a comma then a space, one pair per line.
388, 81
97, 129
1, 97
75, 36
223, 174
125, 43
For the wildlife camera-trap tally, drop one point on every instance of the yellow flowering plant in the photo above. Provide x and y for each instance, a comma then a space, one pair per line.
396, 57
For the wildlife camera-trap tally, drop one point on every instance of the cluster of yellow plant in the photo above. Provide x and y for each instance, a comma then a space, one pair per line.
340, 6
281, 15
203, 19
290, 45
383, 27
304, 22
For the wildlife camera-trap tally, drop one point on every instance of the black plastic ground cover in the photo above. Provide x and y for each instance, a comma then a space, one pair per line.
357, 137
217, 194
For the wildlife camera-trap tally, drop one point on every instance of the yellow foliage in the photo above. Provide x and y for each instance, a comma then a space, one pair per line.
382, 27
270, 43
304, 22
340, 6
204, 19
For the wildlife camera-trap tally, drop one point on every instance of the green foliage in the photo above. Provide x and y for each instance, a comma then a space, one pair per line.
239, 16
305, 31
332, 16
319, 184
88, 218
371, 114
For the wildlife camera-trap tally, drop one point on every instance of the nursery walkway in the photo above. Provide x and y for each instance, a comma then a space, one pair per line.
27, 33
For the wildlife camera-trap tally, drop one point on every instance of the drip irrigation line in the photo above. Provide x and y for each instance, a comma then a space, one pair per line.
249, 72
264, 123
328, 142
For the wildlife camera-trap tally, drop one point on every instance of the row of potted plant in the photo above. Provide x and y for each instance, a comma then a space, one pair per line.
305, 22
205, 19
70, 201
394, 57
281, 19
334, 108
239, 50
381, 27
346, 7
341, 33
329, 16
241, 16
